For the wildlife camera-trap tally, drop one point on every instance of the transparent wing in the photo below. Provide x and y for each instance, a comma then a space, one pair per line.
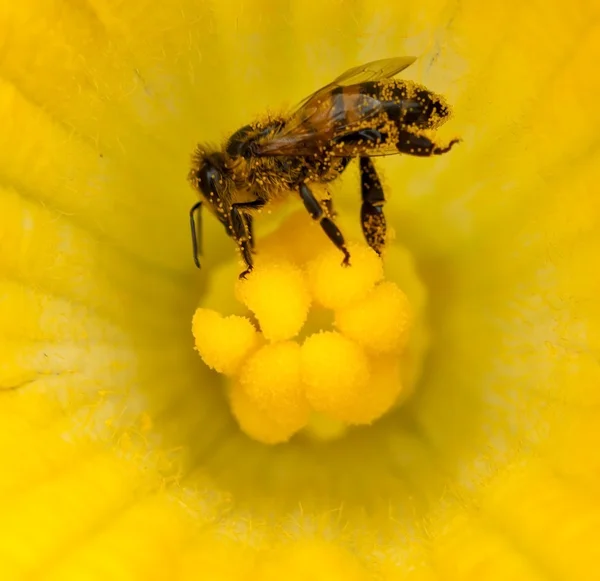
320, 122
322, 116
372, 71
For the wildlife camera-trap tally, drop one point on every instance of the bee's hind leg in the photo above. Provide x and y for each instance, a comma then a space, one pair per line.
316, 212
242, 231
372, 218
420, 145
329, 208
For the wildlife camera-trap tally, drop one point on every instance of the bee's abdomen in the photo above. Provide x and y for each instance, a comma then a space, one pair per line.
408, 103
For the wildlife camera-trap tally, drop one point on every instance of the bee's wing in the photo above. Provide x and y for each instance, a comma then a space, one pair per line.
372, 71
328, 120
319, 118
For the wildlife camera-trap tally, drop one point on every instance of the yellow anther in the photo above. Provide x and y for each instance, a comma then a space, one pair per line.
336, 286
278, 295
271, 379
255, 422
223, 342
385, 388
342, 383
335, 371
379, 322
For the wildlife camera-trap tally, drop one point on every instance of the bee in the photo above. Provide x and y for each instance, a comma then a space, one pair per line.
363, 113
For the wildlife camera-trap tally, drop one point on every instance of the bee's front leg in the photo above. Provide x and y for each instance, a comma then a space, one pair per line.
241, 231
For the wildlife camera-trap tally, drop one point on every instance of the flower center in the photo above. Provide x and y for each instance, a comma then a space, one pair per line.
307, 346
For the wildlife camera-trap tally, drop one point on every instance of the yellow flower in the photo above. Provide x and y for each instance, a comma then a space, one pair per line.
120, 457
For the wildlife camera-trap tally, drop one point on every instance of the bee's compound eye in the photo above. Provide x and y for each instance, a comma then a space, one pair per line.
208, 176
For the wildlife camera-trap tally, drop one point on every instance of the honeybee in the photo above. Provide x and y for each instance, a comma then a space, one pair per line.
362, 114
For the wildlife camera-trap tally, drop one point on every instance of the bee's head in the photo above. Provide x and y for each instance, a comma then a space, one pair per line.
210, 176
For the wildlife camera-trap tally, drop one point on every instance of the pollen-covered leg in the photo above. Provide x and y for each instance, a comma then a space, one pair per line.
329, 227
249, 220
241, 231
420, 145
372, 218
329, 208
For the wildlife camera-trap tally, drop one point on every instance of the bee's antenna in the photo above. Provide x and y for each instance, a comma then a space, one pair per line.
196, 231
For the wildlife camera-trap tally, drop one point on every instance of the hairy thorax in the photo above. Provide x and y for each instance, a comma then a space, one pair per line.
268, 178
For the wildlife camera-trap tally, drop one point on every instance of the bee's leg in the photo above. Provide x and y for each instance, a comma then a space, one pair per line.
239, 234
316, 212
241, 231
328, 203
249, 220
419, 145
372, 218
196, 231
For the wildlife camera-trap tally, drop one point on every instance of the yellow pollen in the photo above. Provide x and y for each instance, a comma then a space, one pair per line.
255, 422
385, 389
278, 297
336, 286
380, 321
223, 342
336, 373
271, 379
